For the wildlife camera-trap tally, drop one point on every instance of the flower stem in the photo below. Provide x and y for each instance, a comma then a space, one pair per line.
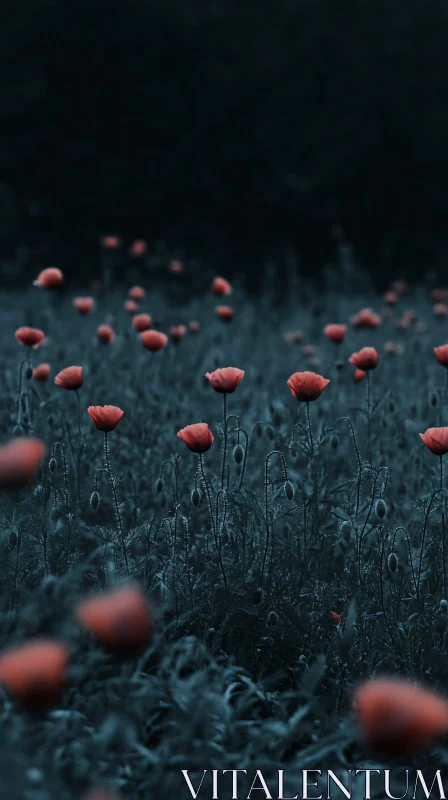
225, 441
114, 495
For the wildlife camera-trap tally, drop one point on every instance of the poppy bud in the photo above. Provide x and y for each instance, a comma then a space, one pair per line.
56, 514
346, 531
269, 432
289, 490
334, 442
433, 399
443, 605
195, 497
52, 464
392, 562
238, 454
380, 508
212, 631
293, 452
159, 485
13, 539
39, 491
259, 430
258, 595
272, 619
94, 500
17, 430
28, 373
50, 421
25, 419
302, 660
339, 365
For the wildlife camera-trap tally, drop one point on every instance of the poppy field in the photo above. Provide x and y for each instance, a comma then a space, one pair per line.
223, 532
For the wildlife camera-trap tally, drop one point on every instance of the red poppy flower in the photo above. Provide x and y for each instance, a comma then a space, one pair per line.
69, 378
391, 298
221, 287
308, 350
225, 313
120, 619
105, 334
34, 672
49, 278
436, 440
442, 354
225, 380
366, 318
439, 294
394, 348
399, 286
110, 242
365, 359
105, 418
41, 372
130, 306
335, 333
177, 332
138, 248
176, 266
398, 717
307, 386
336, 618
358, 375
137, 293
84, 305
19, 461
154, 340
294, 337
440, 310
29, 337
193, 326
142, 322
198, 437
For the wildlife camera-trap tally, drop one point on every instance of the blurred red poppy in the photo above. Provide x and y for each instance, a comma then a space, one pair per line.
29, 337
69, 378
394, 348
175, 266
442, 354
110, 242
193, 326
439, 294
307, 386
436, 440
19, 462
440, 310
121, 619
105, 334
105, 418
34, 672
308, 350
138, 248
366, 318
398, 717
399, 286
391, 298
177, 332
197, 437
130, 306
49, 278
100, 793
365, 359
154, 340
41, 372
225, 313
84, 305
221, 287
225, 380
336, 618
137, 293
358, 375
142, 322
335, 332
294, 337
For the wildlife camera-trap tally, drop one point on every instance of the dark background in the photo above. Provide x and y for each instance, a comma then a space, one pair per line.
231, 129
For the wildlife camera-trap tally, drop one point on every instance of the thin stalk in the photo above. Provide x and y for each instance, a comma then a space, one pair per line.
310, 428
443, 528
266, 500
225, 440
114, 495
217, 543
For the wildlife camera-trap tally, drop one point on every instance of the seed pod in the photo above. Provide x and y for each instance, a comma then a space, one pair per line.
94, 500
380, 508
238, 454
270, 432
289, 490
28, 373
50, 421
159, 485
195, 497
346, 531
392, 562
339, 365
56, 514
443, 605
52, 464
272, 619
334, 442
